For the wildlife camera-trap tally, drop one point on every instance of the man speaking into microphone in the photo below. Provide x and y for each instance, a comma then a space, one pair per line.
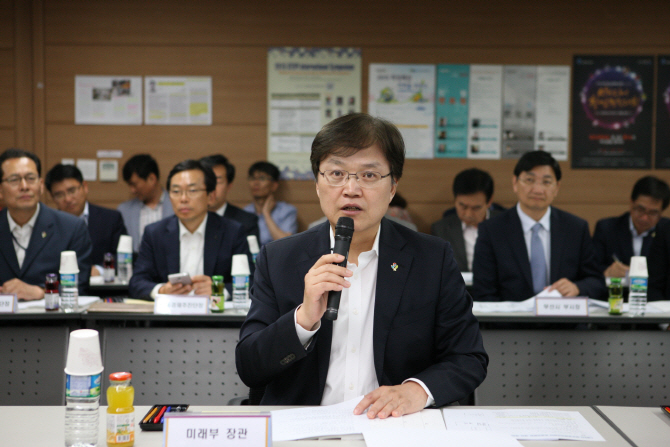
404, 336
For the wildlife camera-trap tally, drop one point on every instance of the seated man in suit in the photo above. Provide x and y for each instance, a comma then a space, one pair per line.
32, 235
631, 234
275, 219
69, 192
192, 241
534, 245
405, 336
151, 202
473, 196
225, 174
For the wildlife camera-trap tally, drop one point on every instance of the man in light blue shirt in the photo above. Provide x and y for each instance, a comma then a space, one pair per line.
275, 219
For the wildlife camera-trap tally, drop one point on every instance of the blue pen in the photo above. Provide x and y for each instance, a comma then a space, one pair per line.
167, 410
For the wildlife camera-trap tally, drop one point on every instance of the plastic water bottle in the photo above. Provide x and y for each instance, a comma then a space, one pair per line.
69, 282
240, 273
637, 297
81, 411
124, 259
83, 369
254, 249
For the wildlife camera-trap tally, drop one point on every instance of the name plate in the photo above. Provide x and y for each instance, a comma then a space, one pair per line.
181, 305
562, 307
8, 304
217, 429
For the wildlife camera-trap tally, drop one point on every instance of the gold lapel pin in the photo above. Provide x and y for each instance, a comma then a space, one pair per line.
44, 234
394, 266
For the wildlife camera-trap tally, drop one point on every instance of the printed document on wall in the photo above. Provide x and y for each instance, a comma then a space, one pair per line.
451, 120
404, 94
553, 110
307, 88
172, 100
108, 100
484, 121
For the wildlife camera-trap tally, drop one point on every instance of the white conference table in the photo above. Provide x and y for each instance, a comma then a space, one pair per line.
43, 426
644, 426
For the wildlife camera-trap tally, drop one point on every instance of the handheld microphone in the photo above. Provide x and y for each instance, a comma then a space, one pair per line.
344, 230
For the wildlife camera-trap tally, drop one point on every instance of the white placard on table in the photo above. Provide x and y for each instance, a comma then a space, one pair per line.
8, 304
181, 305
561, 307
206, 429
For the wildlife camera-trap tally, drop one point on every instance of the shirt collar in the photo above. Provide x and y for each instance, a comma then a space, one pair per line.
528, 222
634, 231
84, 214
221, 211
30, 224
375, 245
200, 230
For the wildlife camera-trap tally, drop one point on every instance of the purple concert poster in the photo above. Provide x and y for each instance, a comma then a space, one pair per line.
663, 113
612, 110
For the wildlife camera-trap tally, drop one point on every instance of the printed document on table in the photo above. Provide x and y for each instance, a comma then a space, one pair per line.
528, 424
407, 437
339, 419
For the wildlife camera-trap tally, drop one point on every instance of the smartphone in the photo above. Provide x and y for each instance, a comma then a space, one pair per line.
180, 278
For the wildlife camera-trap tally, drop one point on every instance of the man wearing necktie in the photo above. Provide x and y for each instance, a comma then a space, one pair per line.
533, 246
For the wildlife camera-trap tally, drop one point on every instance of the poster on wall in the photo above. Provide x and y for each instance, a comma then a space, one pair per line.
485, 111
663, 113
178, 100
108, 100
451, 111
404, 94
612, 105
518, 120
307, 88
552, 110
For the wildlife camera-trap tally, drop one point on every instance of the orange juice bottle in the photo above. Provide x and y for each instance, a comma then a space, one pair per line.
120, 411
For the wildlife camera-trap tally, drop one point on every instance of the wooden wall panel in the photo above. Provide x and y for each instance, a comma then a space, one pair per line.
7, 90
238, 75
7, 24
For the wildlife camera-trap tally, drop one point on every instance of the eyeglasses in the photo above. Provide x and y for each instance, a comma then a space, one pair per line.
190, 193
260, 178
15, 180
366, 179
639, 209
530, 181
67, 193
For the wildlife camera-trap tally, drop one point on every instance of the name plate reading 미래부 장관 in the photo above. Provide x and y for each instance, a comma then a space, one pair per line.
242, 429
181, 304
8, 304
562, 307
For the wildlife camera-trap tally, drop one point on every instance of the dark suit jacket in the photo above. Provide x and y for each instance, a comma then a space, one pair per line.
612, 236
249, 221
159, 252
658, 264
451, 230
501, 268
105, 227
54, 231
423, 322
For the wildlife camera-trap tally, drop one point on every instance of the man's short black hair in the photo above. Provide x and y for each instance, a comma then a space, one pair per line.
191, 165
346, 135
266, 168
19, 153
142, 165
472, 181
220, 160
653, 187
533, 159
62, 172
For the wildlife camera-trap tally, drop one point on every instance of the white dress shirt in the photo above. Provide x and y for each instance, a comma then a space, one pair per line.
150, 215
638, 239
222, 210
21, 234
191, 253
527, 224
351, 369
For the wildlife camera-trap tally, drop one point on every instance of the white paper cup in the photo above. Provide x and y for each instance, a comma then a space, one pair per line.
83, 353
125, 244
638, 267
240, 266
68, 262
253, 244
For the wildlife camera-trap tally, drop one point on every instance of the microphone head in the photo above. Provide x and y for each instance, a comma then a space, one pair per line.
345, 226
